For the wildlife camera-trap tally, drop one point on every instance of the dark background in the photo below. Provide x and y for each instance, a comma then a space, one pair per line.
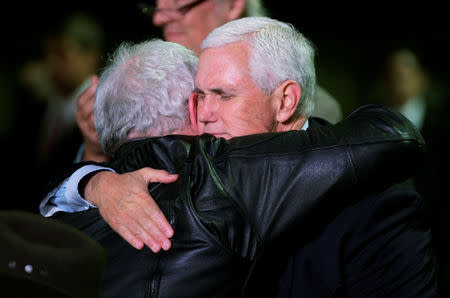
351, 40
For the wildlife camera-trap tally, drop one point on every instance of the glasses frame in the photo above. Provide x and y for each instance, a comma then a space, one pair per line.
150, 10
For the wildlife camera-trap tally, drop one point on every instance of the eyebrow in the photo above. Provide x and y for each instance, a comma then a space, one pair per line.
218, 91
198, 90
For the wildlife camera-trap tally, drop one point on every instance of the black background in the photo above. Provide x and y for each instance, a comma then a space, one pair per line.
351, 39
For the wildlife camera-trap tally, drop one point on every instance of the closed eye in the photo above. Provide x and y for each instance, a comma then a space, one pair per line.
222, 94
217, 92
200, 94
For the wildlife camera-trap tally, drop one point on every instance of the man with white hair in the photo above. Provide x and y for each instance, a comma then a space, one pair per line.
239, 195
188, 23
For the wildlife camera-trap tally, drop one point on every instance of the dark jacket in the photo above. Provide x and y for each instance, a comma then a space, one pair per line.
235, 198
377, 247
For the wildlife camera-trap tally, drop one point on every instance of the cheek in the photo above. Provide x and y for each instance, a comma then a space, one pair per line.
243, 116
259, 118
197, 27
253, 110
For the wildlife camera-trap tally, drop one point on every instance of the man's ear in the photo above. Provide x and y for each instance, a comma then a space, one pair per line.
237, 9
192, 106
289, 93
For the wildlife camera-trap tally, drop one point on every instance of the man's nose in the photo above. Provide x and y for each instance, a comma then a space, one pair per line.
207, 110
160, 19
165, 15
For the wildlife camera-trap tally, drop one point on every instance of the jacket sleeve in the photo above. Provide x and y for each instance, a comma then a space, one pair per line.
277, 180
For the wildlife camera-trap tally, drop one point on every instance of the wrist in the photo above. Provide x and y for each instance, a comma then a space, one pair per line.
87, 183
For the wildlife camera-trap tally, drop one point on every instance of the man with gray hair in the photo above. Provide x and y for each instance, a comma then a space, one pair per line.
237, 196
261, 60
151, 103
188, 23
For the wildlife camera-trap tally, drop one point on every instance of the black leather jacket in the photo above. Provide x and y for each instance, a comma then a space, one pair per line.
233, 198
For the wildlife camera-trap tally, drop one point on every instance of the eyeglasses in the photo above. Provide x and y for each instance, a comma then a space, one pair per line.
150, 10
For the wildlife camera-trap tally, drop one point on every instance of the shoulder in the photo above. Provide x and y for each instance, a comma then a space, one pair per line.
389, 244
168, 152
379, 245
381, 210
367, 218
149, 145
366, 228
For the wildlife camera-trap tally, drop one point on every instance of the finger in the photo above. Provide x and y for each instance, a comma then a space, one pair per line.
90, 124
150, 215
90, 103
147, 222
152, 175
89, 93
94, 80
148, 239
152, 236
135, 235
129, 237
86, 95
86, 107
84, 110
155, 222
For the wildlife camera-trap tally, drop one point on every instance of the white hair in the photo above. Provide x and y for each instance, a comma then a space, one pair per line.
144, 90
278, 52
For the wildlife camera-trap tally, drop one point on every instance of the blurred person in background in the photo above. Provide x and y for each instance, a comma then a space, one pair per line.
188, 23
182, 22
407, 86
47, 92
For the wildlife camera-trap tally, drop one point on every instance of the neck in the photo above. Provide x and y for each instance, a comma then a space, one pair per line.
295, 124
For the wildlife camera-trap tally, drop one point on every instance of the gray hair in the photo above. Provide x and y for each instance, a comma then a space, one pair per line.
278, 52
144, 90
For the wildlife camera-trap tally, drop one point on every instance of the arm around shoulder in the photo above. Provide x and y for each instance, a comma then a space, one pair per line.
279, 179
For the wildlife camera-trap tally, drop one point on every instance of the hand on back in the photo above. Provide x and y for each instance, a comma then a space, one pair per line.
126, 205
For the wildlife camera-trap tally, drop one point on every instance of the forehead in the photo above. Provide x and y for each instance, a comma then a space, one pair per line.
227, 65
